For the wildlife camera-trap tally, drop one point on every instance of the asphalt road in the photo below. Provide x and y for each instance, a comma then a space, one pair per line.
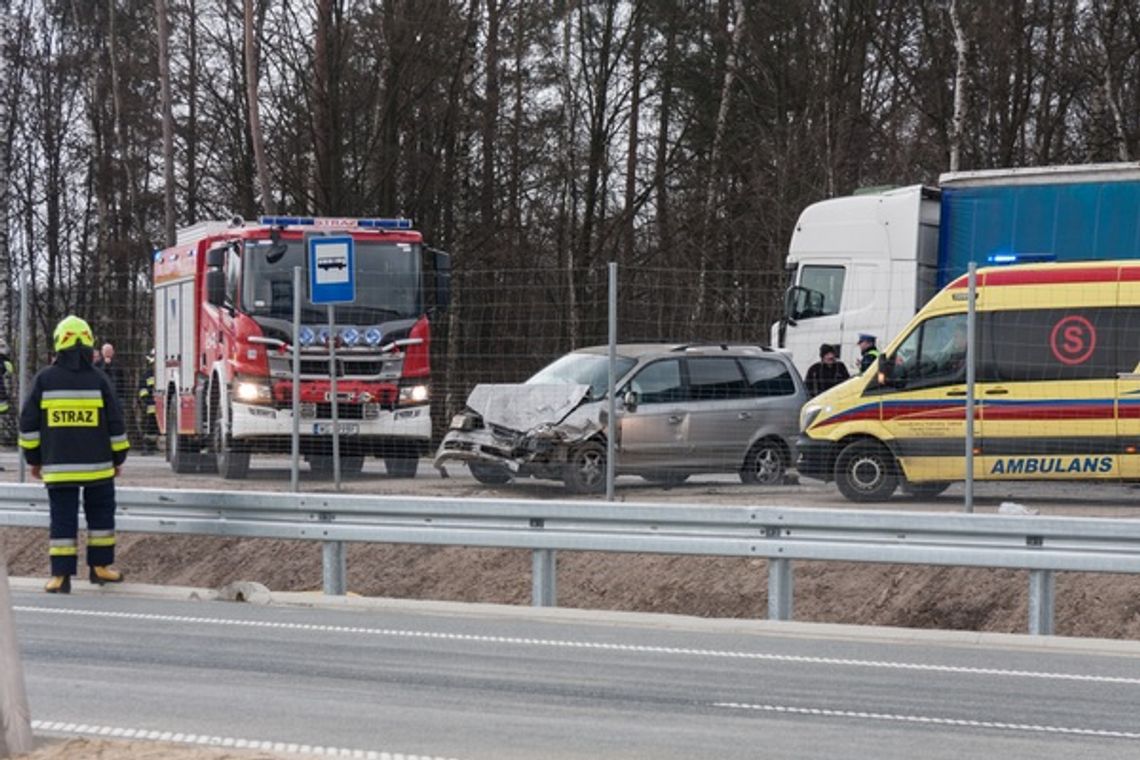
471, 682
270, 473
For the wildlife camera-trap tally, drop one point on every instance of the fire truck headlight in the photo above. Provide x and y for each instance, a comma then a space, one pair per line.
253, 392
350, 336
413, 394
305, 336
373, 336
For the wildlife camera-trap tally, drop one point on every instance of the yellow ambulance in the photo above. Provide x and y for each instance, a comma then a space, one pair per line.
1057, 390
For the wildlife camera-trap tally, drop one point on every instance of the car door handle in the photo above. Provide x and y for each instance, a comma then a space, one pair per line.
744, 416
996, 392
675, 419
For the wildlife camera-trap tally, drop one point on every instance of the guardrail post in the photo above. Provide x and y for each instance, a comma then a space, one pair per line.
1041, 594
15, 717
780, 589
544, 572
334, 566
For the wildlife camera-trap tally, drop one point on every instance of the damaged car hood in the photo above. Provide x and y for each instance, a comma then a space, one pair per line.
522, 407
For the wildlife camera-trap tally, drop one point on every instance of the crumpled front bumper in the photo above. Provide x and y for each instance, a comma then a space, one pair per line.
482, 445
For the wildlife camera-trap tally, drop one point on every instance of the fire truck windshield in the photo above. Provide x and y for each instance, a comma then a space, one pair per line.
388, 282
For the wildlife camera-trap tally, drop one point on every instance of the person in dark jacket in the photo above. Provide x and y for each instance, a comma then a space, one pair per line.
73, 436
869, 352
827, 372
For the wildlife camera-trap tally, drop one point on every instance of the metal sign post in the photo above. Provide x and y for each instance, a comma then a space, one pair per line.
295, 449
332, 280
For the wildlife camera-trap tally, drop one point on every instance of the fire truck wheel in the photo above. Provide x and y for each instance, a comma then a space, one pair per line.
351, 465
231, 464
401, 467
181, 460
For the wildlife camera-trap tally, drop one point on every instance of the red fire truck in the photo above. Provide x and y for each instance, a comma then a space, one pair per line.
224, 345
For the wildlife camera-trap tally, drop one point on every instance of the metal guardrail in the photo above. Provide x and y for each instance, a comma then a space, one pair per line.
1041, 545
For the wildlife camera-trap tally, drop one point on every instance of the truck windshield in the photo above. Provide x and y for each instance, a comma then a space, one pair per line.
818, 293
582, 369
388, 282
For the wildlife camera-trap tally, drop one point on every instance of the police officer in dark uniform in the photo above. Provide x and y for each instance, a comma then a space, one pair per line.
73, 436
869, 352
148, 423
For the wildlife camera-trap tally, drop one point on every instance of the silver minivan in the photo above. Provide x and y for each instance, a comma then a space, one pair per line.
682, 409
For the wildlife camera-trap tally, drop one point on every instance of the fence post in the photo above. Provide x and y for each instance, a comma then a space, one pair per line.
780, 589
544, 573
611, 379
1041, 592
334, 566
15, 717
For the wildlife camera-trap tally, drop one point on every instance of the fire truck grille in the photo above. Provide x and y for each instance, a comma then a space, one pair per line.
344, 411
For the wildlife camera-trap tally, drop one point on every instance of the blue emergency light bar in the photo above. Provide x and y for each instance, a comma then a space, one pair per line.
1020, 258
321, 221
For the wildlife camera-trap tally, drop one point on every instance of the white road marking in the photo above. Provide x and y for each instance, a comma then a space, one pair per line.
594, 645
961, 722
142, 734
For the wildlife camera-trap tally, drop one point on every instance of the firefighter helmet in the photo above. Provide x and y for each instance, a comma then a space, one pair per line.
72, 331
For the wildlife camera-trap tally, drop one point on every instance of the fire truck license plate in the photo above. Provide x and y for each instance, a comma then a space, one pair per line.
344, 428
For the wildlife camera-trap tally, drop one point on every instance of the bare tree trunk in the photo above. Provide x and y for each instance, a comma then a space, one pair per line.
251, 53
634, 126
567, 201
1110, 96
709, 214
167, 123
490, 116
962, 48
191, 168
7, 31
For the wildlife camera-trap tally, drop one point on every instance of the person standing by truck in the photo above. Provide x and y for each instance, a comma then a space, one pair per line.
73, 436
869, 352
827, 372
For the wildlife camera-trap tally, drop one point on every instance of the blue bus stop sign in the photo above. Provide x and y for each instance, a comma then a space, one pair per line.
332, 270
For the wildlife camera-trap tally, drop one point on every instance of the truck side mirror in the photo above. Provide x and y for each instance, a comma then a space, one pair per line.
630, 400
215, 286
441, 262
216, 276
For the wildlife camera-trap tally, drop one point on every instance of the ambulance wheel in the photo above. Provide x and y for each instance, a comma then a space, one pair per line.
401, 467
924, 490
182, 460
489, 474
765, 463
231, 464
865, 471
585, 468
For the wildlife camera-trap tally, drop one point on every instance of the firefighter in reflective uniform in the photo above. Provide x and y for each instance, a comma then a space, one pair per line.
6, 371
148, 423
73, 436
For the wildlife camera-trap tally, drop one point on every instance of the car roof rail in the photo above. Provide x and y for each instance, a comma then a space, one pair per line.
722, 346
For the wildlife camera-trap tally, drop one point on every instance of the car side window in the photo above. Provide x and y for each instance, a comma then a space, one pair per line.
659, 383
768, 377
715, 379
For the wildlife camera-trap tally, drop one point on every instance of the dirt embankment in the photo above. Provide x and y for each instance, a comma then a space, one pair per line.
1091, 605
